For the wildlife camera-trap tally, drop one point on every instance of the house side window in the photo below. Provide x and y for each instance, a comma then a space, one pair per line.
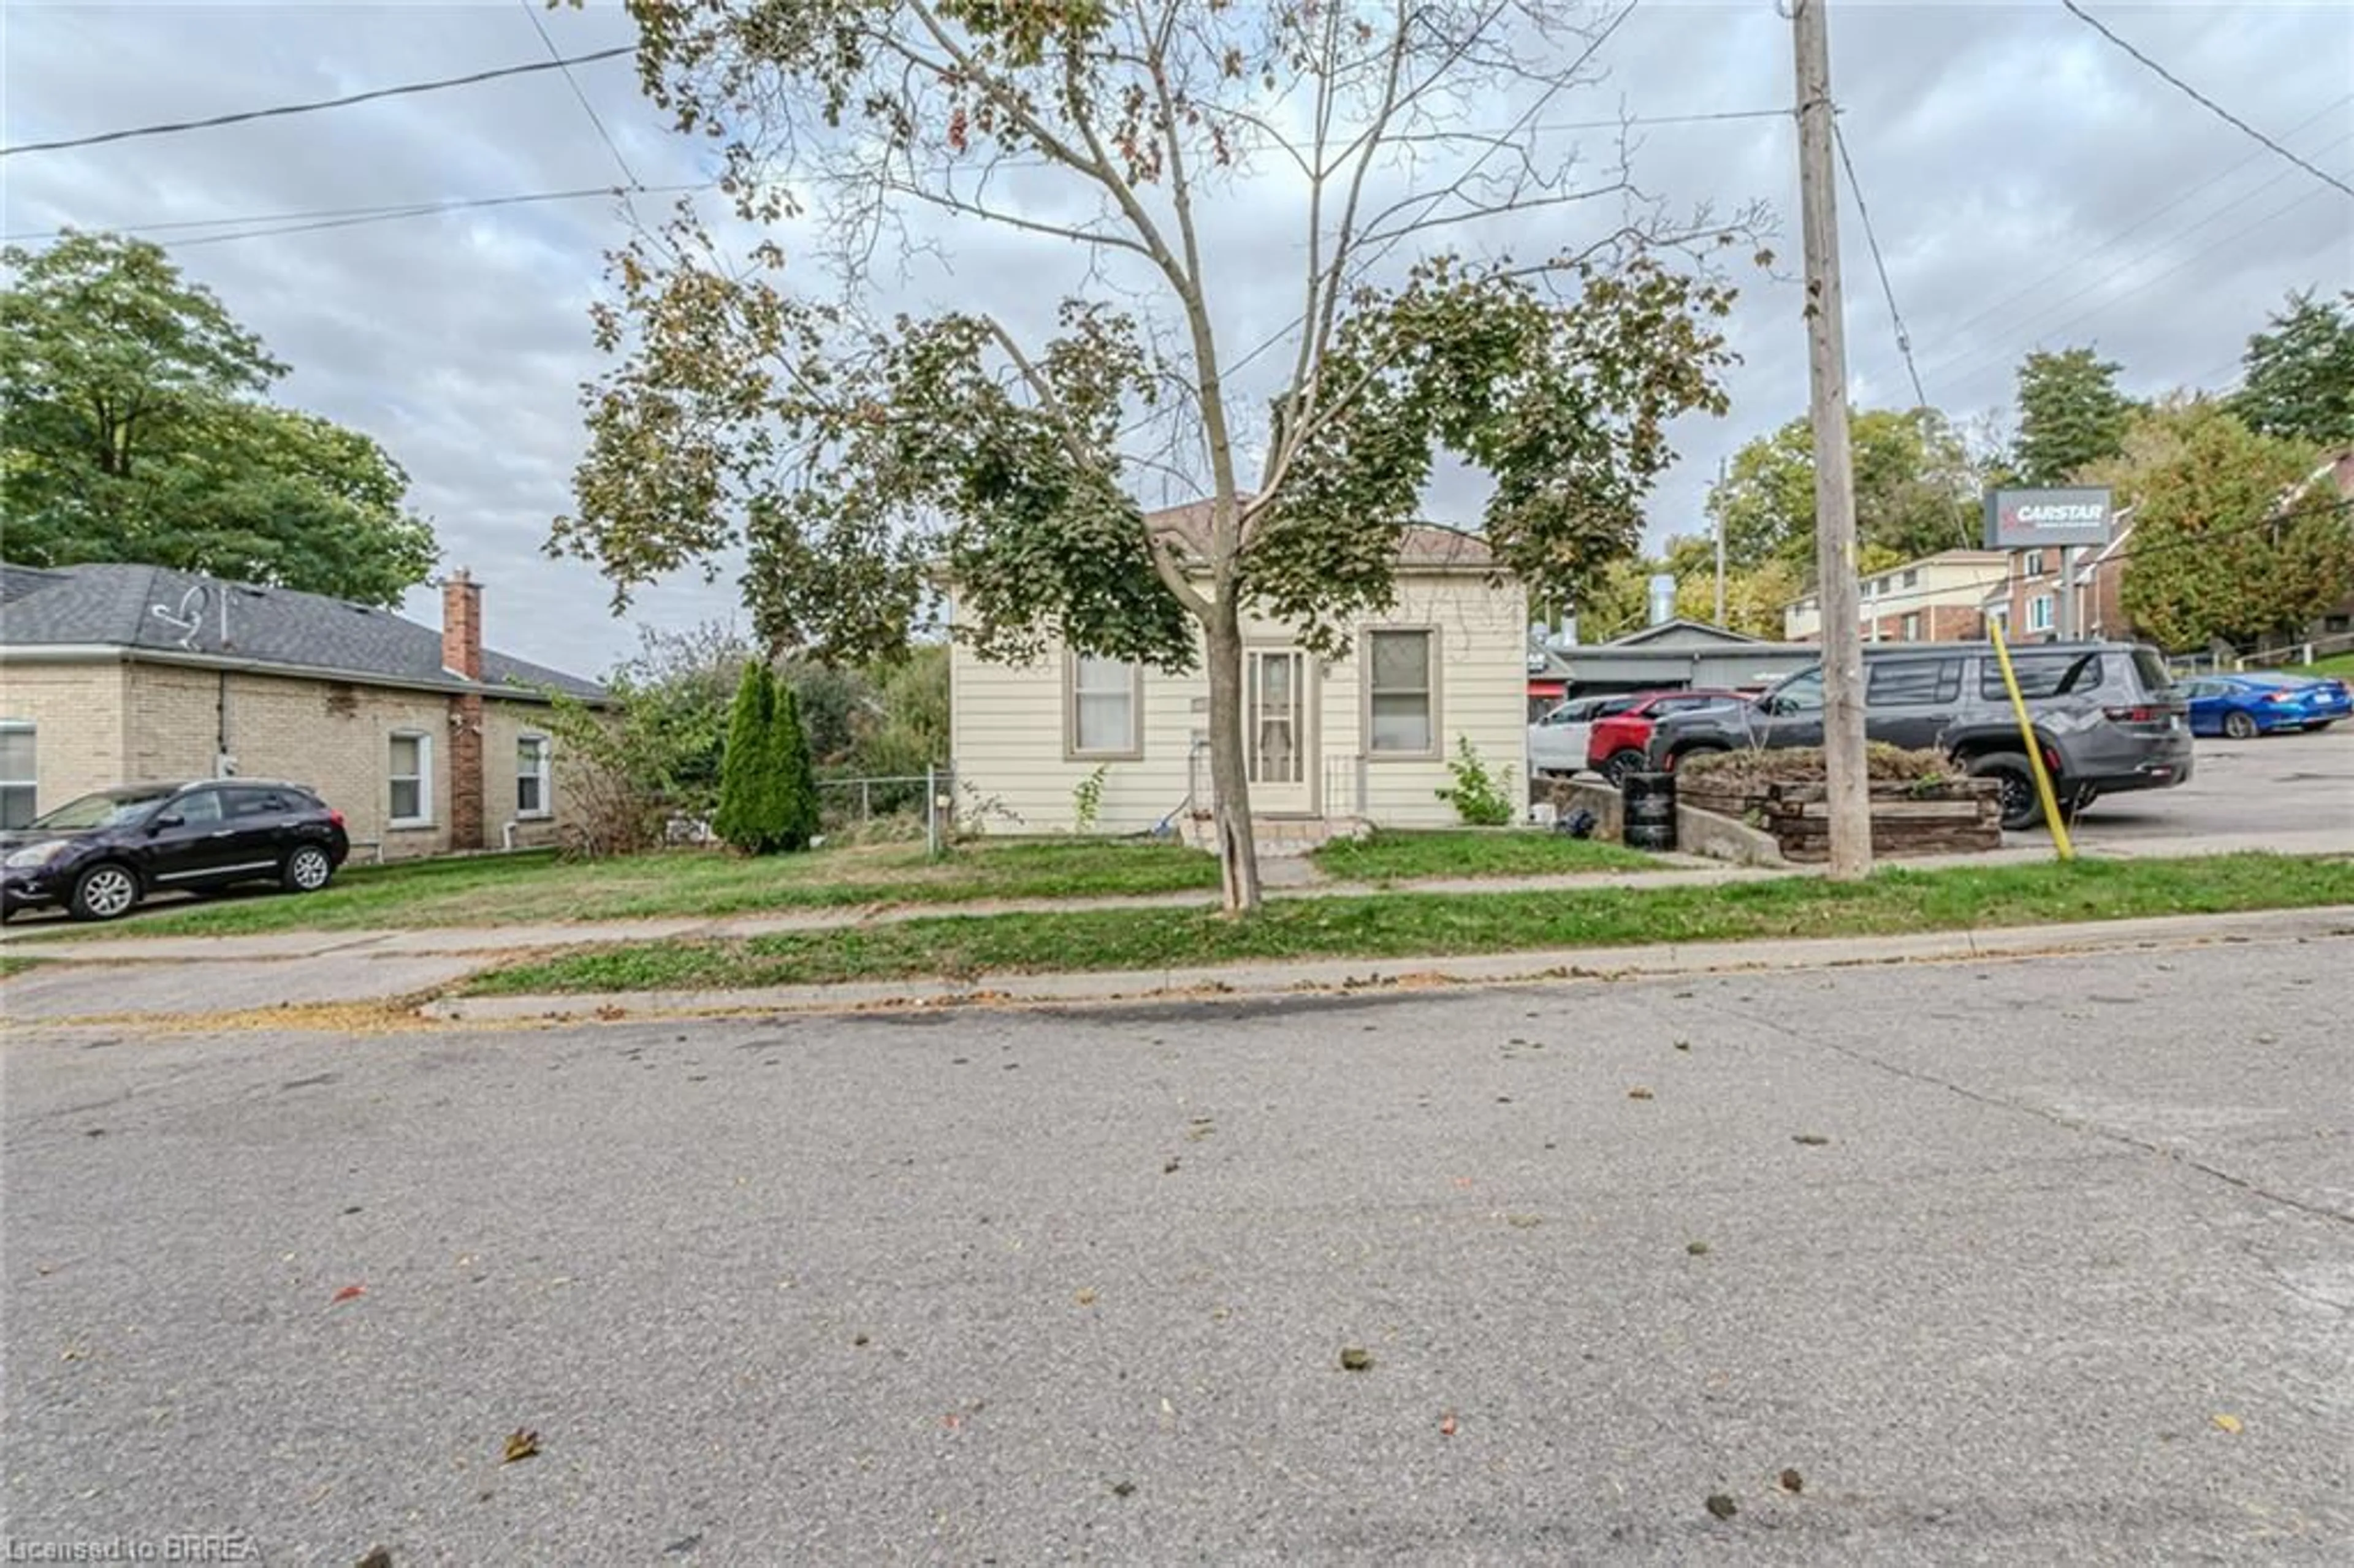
411, 772
2034, 567
2038, 613
1103, 707
1912, 578
1401, 719
1912, 627
19, 785
533, 793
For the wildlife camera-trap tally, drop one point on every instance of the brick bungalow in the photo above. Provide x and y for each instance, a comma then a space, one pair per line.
425, 740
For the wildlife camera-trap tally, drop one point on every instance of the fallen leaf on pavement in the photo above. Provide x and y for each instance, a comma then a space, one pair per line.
348, 1293
1355, 1358
1171, 1168
1811, 1140
1447, 1425
1085, 1297
1722, 1506
1793, 1482
521, 1443
376, 1558
1696, 1248
1638, 1092
2228, 1423
1122, 1489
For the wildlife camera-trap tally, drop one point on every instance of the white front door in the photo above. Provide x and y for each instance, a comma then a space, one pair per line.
1279, 732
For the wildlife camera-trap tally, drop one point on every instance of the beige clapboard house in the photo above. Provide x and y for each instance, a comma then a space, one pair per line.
1363, 738
426, 741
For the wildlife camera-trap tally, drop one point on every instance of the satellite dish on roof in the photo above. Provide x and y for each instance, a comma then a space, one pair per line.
189, 619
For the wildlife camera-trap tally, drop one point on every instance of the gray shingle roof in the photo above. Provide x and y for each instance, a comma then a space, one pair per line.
115, 607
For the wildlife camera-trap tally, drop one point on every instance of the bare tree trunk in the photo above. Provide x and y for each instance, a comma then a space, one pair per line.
1229, 775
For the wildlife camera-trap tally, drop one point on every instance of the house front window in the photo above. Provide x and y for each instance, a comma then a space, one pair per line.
1104, 716
19, 789
1400, 720
1912, 627
532, 791
411, 770
2035, 565
2038, 613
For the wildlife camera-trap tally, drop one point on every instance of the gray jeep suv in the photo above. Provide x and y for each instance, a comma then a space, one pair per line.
2106, 717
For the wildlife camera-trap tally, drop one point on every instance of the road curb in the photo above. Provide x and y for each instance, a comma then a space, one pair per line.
1349, 974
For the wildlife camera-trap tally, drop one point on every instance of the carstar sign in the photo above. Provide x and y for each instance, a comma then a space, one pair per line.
2033, 519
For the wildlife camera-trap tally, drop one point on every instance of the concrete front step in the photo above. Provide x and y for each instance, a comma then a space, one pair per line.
1280, 838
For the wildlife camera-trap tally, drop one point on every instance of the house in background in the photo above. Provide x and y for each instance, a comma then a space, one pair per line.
1936, 599
425, 740
1363, 738
1670, 655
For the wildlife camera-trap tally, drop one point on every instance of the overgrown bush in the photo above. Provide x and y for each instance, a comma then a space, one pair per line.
1484, 800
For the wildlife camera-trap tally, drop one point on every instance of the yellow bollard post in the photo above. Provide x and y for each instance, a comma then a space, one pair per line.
2027, 737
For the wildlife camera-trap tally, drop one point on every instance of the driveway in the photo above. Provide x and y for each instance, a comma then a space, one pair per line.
2043, 1261
2289, 792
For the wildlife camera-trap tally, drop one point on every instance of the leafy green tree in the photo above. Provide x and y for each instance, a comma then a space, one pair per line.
1916, 491
748, 816
2070, 415
791, 781
2299, 381
2230, 540
131, 429
1013, 458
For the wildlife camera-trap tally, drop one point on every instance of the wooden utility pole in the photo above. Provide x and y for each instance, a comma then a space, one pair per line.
1843, 753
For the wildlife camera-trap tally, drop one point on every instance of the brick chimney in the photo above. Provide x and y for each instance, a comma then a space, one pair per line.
462, 625
461, 655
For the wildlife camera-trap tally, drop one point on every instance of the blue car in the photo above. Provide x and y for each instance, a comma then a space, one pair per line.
2257, 703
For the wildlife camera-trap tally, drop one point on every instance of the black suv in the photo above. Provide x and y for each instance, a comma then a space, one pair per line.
100, 855
2106, 717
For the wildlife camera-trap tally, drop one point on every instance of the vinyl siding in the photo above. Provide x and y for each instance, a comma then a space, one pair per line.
1006, 724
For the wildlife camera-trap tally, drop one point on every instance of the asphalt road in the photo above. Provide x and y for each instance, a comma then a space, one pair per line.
2047, 1261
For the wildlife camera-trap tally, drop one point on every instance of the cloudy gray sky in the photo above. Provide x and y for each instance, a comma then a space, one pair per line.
2030, 185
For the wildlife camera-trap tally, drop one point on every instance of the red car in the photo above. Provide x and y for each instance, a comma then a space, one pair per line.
1616, 746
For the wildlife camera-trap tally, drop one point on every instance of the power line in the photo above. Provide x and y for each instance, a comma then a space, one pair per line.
1977, 360
2217, 110
265, 225
572, 81
2130, 230
1903, 339
435, 86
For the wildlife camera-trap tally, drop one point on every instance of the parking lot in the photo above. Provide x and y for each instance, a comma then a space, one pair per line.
2289, 792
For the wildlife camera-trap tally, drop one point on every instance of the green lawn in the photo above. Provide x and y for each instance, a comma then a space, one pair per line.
1404, 925
526, 888
2339, 664
15, 964
1395, 856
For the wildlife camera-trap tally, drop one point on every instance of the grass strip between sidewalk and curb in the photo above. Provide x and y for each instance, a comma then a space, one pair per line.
1411, 924
1396, 856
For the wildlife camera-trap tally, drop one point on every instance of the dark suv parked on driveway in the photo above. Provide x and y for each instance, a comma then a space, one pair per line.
2106, 717
100, 855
